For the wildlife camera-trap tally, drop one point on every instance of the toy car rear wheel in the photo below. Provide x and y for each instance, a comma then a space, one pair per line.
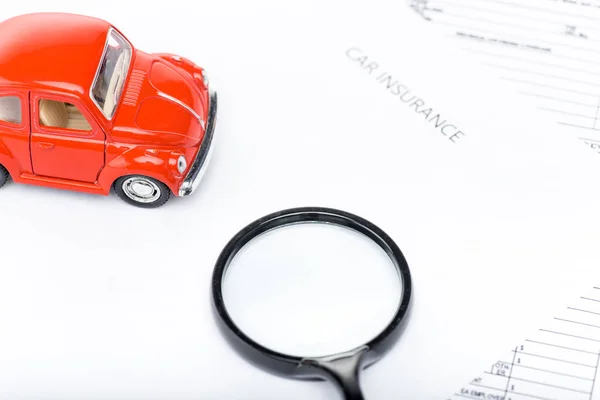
142, 191
4, 175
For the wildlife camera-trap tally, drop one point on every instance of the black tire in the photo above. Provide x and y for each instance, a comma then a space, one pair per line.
150, 193
4, 175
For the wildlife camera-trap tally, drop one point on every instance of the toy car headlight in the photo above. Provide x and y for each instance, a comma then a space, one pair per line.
200, 77
181, 164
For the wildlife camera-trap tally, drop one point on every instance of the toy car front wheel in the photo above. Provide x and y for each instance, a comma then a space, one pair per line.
3, 176
142, 191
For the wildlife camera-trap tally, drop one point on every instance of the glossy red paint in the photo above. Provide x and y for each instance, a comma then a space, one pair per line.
162, 112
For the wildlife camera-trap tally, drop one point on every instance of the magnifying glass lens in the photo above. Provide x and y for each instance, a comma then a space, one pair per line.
312, 289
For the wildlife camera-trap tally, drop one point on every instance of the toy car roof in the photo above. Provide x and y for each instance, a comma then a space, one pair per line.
56, 50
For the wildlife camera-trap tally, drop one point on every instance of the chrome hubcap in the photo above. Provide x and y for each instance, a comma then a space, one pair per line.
141, 190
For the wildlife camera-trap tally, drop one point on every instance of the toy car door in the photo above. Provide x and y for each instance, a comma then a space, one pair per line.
65, 142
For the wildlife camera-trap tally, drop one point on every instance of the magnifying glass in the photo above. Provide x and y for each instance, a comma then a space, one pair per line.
312, 293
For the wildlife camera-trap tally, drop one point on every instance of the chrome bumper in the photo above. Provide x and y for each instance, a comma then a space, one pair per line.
198, 168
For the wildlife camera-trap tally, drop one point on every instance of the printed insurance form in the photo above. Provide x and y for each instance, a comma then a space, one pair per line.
558, 361
548, 50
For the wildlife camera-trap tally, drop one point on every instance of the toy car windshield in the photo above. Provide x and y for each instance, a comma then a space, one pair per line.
112, 71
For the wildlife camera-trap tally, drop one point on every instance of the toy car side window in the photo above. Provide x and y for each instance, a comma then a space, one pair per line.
63, 115
11, 109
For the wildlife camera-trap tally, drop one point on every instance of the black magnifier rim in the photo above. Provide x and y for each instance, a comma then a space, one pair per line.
283, 363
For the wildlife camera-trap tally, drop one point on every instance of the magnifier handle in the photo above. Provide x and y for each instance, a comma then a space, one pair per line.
343, 370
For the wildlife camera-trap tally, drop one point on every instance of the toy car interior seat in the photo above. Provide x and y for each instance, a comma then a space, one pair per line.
62, 115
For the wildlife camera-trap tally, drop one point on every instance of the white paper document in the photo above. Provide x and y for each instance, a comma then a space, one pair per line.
558, 361
341, 105
548, 50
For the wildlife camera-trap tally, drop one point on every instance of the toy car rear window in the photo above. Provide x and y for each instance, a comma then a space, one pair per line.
10, 109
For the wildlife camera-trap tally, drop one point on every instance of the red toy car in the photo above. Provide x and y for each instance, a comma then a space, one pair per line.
82, 109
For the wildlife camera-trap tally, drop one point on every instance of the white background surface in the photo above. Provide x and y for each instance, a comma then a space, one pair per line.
100, 300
